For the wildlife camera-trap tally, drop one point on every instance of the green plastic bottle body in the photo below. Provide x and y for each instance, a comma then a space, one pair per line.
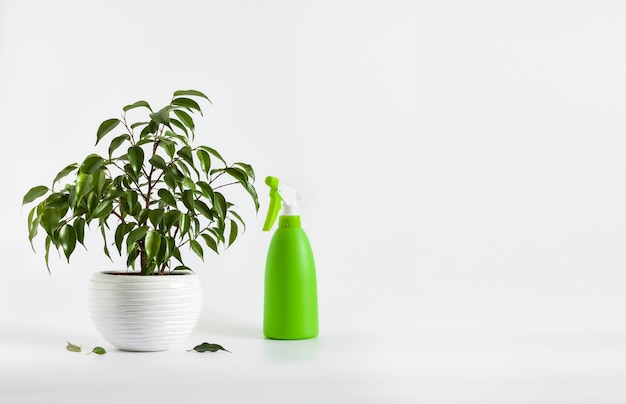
290, 309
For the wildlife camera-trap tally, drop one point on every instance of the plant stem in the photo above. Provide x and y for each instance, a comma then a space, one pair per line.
225, 185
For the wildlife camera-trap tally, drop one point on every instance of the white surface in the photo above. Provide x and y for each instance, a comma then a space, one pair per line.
479, 144
464, 358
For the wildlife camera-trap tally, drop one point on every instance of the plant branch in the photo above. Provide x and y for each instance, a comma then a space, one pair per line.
226, 185
131, 132
119, 215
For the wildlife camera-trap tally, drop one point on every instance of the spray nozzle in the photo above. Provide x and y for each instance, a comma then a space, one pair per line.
283, 194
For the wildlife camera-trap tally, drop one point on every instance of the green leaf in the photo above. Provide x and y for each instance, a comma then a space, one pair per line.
247, 168
136, 234
213, 152
113, 193
34, 193
138, 124
207, 347
72, 348
165, 251
135, 157
252, 191
98, 350
145, 140
117, 142
219, 203
170, 218
152, 244
103, 209
204, 209
167, 197
193, 93
33, 226
176, 176
195, 222
79, 227
169, 180
57, 200
233, 232
156, 216
205, 160
180, 126
143, 215
218, 233
158, 162
137, 105
100, 181
206, 190
131, 200
185, 118
47, 252
169, 146
152, 127
188, 199
184, 170
210, 242
170, 247
185, 153
189, 184
49, 219
83, 187
131, 173
148, 129
67, 235
236, 215
237, 173
64, 172
196, 248
91, 164
105, 248
176, 254
132, 255
119, 237
186, 103
162, 116
183, 224
92, 201
106, 127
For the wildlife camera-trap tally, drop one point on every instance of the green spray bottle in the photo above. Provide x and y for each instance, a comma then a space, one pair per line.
290, 306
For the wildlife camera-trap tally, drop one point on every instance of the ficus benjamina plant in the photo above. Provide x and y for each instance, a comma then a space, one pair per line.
154, 192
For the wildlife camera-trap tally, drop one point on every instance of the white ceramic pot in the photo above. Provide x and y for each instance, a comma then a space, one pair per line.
144, 313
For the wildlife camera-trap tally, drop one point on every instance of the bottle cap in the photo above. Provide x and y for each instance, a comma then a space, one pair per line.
281, 195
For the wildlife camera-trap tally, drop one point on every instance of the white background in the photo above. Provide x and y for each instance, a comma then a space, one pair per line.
463, 173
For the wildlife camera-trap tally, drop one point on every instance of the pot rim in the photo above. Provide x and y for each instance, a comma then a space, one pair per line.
137, 275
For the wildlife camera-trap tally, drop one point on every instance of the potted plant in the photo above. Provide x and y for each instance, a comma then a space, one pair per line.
154, 196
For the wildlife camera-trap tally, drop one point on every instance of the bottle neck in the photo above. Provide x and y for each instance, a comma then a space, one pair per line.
289, 221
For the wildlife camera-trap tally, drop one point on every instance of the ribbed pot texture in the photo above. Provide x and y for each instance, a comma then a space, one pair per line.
144, 313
